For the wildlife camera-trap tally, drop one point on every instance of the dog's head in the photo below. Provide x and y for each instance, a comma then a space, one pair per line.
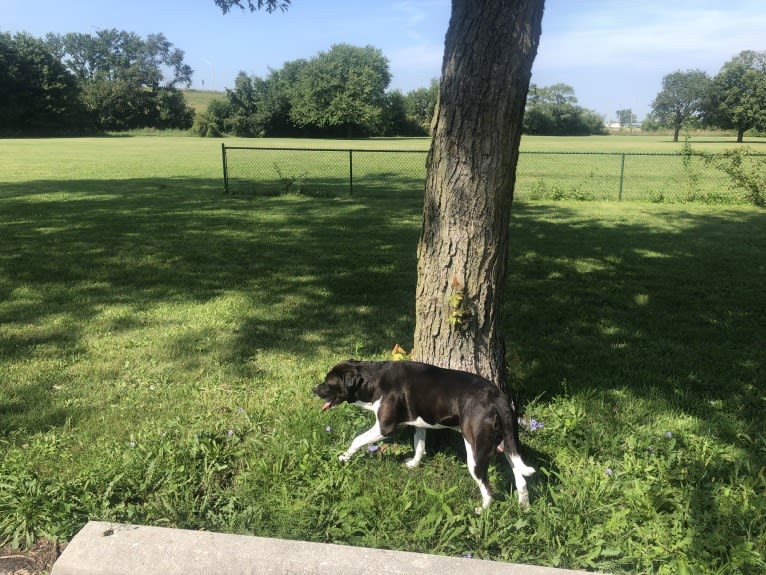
340, 384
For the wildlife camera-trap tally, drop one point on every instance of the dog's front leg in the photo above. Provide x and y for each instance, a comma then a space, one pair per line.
420, 448
371, 435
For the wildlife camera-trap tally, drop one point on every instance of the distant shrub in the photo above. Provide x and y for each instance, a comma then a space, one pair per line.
206, 126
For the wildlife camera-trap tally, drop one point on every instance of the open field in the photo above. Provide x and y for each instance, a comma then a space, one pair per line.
159, 340
638, 144
188, 157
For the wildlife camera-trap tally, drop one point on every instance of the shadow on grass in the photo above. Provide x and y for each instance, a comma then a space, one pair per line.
670, 302
667, 303
378, 185
327, 273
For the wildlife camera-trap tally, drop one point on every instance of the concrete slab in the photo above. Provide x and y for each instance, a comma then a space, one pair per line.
117, 549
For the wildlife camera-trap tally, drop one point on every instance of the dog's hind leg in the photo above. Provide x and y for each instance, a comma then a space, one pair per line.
370, 436
520, 470
478, 464
510, 449
420, 448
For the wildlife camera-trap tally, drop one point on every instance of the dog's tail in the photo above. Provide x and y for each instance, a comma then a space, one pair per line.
511, 438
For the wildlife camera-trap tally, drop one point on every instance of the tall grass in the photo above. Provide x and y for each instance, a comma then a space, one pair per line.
159, 341
199, 100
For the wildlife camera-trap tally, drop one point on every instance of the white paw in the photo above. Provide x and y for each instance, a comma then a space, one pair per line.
524, 498
486, 502
344, 458
412, 463
482, 509
526, 471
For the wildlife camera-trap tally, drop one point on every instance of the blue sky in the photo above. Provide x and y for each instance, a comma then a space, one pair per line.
613, 52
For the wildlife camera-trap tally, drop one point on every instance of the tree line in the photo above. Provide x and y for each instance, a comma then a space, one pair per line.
109, 80
341, 92
116, 80
553, 111
735, 99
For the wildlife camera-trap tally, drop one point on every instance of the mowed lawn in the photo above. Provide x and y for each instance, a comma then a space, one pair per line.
159, 341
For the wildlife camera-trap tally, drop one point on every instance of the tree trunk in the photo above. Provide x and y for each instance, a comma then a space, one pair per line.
740, 134
463, 248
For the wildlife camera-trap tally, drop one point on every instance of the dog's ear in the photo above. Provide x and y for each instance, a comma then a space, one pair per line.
352, 381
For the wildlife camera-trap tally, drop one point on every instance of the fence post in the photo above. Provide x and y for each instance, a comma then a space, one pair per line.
351, 172
622, 175
225, 171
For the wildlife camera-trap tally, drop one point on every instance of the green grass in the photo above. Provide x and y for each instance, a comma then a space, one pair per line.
589, 168
636, 144
199, 100
159, 341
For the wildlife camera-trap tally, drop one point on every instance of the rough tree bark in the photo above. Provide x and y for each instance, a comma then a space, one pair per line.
463, 249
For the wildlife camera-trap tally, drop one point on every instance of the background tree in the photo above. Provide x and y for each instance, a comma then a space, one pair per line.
626, 117
394, 120
553, 111
681, 100
261, 106
37, 93
463, 248
420, 104
738, 95
264, 106
342, 90
243, 106
172, 110
211, 122
126, 81
281, 83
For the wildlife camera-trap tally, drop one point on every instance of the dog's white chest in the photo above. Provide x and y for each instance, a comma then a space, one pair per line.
371, 406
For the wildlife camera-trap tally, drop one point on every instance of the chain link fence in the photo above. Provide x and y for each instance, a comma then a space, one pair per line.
658, 177
312, 171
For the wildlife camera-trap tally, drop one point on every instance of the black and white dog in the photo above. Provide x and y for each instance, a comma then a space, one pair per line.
430, 397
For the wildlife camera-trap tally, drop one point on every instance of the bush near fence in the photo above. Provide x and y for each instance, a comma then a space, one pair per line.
656, 177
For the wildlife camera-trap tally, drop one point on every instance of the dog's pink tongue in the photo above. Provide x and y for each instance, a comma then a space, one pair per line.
327, 405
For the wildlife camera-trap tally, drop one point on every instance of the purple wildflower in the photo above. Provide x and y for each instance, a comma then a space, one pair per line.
373, 448
328, 429
668, 434
535, 425
609, 471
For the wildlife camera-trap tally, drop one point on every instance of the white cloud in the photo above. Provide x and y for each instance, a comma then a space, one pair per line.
654, 35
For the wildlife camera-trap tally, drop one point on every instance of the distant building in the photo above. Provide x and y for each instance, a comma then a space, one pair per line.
617, 125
